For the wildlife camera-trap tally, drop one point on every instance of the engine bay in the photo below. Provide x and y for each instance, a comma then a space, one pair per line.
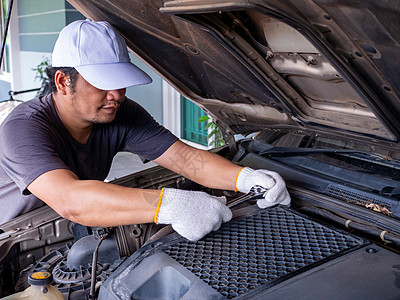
330, 226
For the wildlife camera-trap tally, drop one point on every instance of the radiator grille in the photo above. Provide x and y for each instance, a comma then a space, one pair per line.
259, 249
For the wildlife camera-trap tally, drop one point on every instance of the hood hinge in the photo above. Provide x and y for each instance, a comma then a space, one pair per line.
229, 139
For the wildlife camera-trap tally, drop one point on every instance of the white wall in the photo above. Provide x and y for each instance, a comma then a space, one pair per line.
28, 61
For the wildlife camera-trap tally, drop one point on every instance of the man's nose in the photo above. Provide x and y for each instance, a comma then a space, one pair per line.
117, 95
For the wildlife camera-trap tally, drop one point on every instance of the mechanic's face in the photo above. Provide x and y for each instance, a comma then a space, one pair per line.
94, 105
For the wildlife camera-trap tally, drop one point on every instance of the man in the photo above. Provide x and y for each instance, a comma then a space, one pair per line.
59, 148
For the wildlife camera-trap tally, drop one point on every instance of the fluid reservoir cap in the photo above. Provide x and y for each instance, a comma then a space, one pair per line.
40, 278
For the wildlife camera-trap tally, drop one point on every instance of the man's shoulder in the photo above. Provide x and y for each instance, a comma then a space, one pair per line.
30, 109
129, 111
130, 104
27, 114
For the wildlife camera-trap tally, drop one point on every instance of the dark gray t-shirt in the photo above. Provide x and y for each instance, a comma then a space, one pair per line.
33, 141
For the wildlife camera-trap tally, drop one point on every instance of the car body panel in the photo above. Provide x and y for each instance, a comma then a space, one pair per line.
335, 76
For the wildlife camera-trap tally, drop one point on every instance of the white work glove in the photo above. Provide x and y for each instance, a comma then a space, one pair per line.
192, 214
251, 180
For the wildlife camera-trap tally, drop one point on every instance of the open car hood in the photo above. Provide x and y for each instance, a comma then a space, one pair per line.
324, 66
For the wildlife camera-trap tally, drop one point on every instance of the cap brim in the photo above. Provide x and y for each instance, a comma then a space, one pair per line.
114, 76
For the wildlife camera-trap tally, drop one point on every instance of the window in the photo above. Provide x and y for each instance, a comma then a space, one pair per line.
5, 65
191, 129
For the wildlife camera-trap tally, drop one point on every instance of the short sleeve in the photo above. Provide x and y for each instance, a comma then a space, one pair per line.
146, 137
27, 150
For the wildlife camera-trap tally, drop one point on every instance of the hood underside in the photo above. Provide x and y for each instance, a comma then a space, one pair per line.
326, 66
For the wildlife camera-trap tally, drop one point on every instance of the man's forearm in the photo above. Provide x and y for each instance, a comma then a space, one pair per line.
218, 172
105, 204
94, 203
201, 166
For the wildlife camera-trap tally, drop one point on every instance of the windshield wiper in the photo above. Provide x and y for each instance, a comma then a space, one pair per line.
289, 151
378, 159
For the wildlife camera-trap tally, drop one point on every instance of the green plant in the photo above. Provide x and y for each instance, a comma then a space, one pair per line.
41, 69
215, 135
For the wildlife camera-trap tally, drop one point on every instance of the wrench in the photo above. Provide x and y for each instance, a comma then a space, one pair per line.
256, 191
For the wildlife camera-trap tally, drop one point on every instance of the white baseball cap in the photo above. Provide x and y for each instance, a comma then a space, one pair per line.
99, 54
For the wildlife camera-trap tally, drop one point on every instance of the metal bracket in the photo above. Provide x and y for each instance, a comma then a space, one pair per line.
229, 139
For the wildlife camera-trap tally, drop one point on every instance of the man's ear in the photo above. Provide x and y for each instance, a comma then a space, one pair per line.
62, 82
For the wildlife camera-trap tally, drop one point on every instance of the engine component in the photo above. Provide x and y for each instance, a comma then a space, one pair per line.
258, 249
40, 288
71, 266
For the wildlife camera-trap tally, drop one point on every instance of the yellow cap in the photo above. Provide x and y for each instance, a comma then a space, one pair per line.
40, 278
40, 275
